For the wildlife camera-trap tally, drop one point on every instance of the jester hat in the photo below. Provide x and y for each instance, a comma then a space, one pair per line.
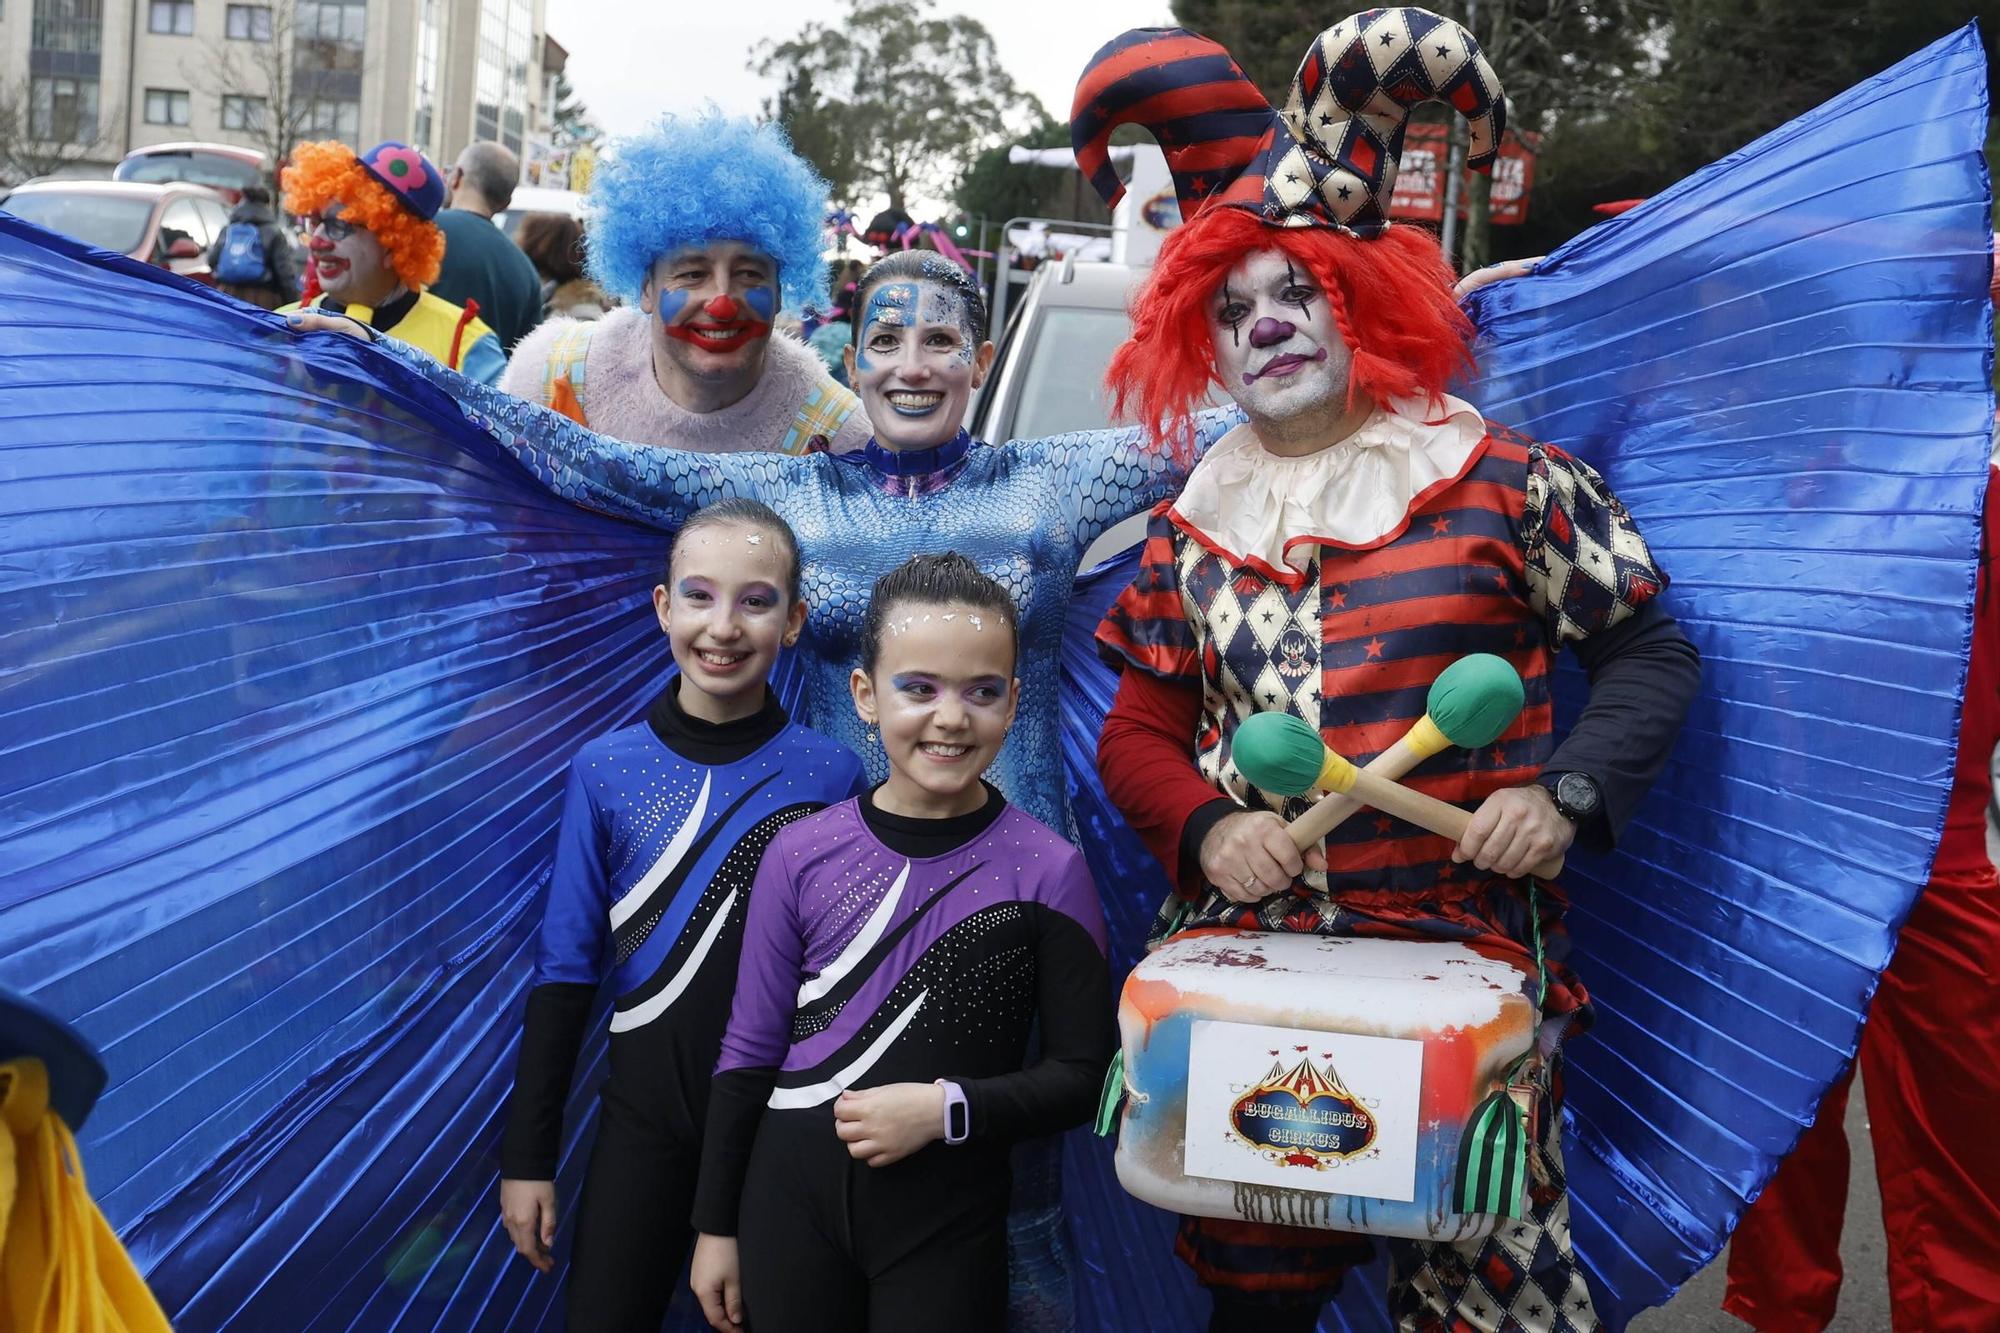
1329, 158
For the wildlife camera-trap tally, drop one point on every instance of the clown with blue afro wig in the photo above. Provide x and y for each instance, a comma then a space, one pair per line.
693, 180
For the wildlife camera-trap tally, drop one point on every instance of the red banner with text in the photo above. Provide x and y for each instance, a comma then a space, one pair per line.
1419, 192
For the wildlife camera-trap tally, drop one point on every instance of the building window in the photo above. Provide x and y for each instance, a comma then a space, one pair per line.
427, 66
173, 17
249, 23
243, 113
166, 106
63, 110
329, 117
68, 25
330, 35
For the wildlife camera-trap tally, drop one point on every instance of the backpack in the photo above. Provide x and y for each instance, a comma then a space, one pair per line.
242, 257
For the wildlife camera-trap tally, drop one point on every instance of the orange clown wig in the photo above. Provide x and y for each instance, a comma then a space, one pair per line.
329, 173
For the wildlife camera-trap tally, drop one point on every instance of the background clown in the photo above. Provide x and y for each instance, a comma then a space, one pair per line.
375, 248
704, 227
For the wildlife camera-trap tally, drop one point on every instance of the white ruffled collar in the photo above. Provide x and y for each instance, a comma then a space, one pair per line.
1265, 511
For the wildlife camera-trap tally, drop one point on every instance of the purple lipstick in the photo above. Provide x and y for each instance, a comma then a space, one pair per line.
1282, 365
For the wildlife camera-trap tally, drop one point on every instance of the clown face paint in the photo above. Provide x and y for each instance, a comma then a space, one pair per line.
943, 693
713, 307
1278, 351
916, 362
353, 270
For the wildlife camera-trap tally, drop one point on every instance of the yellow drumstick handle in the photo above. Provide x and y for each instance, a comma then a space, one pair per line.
1419, 743
1393, 798
1425, 739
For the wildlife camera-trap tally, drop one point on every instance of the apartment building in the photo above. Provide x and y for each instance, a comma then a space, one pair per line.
108, 76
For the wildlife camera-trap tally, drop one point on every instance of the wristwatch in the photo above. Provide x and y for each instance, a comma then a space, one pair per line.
1576, 796
957, 1113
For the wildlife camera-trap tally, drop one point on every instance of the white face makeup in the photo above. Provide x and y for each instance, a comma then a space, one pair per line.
1278, 350
916, 362
943, 694
726, 611
353, 269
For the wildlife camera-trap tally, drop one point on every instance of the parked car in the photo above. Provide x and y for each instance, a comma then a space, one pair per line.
224, 168
1049, 375
538, 199
167, 225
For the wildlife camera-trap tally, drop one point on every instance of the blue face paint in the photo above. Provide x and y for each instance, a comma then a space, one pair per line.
763, 302
671, 304
893, 304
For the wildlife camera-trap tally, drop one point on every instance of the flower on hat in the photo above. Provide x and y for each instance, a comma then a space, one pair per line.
400, 168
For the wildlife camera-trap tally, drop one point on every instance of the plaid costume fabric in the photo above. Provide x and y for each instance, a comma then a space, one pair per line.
1524, 1278
820, 419
1529, 550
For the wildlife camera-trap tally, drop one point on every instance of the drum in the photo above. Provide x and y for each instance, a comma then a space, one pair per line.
1314, 1081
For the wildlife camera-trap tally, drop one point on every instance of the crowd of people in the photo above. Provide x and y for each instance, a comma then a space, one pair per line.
859, 968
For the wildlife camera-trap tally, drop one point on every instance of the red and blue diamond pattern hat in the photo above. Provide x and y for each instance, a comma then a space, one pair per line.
1329, 159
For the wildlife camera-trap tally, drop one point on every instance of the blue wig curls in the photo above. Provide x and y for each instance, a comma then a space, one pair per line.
692, 180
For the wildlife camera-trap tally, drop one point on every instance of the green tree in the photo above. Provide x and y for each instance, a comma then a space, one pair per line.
818, 132
907, 97
995, 189
571, 118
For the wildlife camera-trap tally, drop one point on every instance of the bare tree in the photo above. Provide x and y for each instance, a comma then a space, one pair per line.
273, 77
65, 136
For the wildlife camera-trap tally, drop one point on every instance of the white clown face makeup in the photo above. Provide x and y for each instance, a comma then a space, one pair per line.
1278, 350
353, 267
916, 362
726, 611
943, 694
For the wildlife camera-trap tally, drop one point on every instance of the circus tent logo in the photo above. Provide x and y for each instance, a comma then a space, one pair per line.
1303, 1116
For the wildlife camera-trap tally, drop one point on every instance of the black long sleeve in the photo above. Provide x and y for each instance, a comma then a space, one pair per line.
1079, 1032
551, 1035
1643, 674
735, 1110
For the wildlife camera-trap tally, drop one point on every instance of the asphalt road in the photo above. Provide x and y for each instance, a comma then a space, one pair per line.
1864, 1297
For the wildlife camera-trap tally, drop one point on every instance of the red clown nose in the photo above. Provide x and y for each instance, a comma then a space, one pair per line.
722, 308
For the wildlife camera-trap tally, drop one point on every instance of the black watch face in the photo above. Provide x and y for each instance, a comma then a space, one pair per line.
1577, 794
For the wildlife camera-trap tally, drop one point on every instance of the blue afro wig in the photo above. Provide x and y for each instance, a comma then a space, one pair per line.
692, 180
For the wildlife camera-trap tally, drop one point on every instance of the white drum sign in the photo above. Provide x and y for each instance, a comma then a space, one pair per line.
1311, 1081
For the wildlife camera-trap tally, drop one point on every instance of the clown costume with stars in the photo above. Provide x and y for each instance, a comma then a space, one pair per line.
1327, 558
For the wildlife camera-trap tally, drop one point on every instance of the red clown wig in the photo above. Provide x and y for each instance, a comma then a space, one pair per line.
1390, 296
329, 172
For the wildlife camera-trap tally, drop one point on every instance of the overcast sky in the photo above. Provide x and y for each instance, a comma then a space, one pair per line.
629, 62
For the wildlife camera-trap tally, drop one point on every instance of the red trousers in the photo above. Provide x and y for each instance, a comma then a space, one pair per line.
1930, 1063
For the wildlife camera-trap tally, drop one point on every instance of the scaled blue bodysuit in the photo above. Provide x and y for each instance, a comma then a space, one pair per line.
1023, 512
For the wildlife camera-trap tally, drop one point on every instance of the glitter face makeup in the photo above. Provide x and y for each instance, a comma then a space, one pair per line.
726, 613
943, 695
916, 362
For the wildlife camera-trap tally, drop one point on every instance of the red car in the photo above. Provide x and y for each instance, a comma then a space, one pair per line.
224, 168
167, 225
